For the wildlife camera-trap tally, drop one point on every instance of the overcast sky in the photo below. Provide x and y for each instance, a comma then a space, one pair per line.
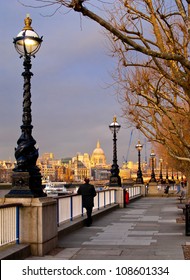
72, 104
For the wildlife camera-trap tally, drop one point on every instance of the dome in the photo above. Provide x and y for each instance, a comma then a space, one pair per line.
98, 156
98, 150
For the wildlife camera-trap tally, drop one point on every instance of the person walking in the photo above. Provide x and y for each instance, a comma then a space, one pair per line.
178, 186
88, 193
166, 190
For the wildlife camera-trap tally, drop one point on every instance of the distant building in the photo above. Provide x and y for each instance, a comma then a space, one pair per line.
93, 166
99, 173
83, 165
47, 156
80, 170
6, 168
50, 167
125, 171
100, 169
98, 157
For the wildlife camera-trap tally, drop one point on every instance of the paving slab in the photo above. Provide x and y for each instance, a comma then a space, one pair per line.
146, 229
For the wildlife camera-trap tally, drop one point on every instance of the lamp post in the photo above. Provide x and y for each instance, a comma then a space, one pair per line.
167, 181
152, 155
173, 175
26, 179
115, 179
139, 179
161, 176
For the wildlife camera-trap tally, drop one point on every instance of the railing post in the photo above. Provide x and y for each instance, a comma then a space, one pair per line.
98, 200
104, 199
17, 224
71, 208
57, 209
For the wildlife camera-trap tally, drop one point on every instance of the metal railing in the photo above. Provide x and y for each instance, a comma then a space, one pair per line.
70, 206
9, 223
134, 191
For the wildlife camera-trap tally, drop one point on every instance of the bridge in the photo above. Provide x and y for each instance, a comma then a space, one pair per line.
148, 228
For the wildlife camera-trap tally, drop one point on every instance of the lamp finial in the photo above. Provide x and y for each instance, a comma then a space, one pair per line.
28, 22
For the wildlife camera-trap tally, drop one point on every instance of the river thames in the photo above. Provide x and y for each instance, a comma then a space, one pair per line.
4, 190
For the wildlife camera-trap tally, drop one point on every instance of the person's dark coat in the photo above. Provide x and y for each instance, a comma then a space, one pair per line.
166, 191
88, 193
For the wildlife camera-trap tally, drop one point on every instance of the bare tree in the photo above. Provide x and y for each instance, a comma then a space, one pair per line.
132, 13
150, 39
154, 89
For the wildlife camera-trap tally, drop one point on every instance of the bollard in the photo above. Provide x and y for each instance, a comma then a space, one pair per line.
126, 197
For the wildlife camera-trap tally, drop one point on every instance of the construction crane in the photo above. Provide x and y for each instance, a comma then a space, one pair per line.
126, 158
145, 157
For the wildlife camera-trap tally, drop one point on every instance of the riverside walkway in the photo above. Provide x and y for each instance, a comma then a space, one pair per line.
145, 230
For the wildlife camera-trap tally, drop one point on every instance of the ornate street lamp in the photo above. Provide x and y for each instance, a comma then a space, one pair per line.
26, 179
152, 155
139, 179
161, 176
115, 179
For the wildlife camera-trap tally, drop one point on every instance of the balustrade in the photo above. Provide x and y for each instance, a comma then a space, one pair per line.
9, 223
69, 207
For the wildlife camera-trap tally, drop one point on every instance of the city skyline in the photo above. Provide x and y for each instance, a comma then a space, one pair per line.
73, 101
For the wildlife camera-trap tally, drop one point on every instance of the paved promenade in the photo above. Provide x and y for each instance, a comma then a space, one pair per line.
145, 230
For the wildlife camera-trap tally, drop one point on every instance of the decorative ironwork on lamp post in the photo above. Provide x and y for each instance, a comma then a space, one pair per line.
26, 180
139, 179
153, 178
115, 179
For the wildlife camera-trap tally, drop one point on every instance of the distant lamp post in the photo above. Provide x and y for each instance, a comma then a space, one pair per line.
161, 176
152, 155
115, 179
139, 179
173, 175
26, 179
167, 178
